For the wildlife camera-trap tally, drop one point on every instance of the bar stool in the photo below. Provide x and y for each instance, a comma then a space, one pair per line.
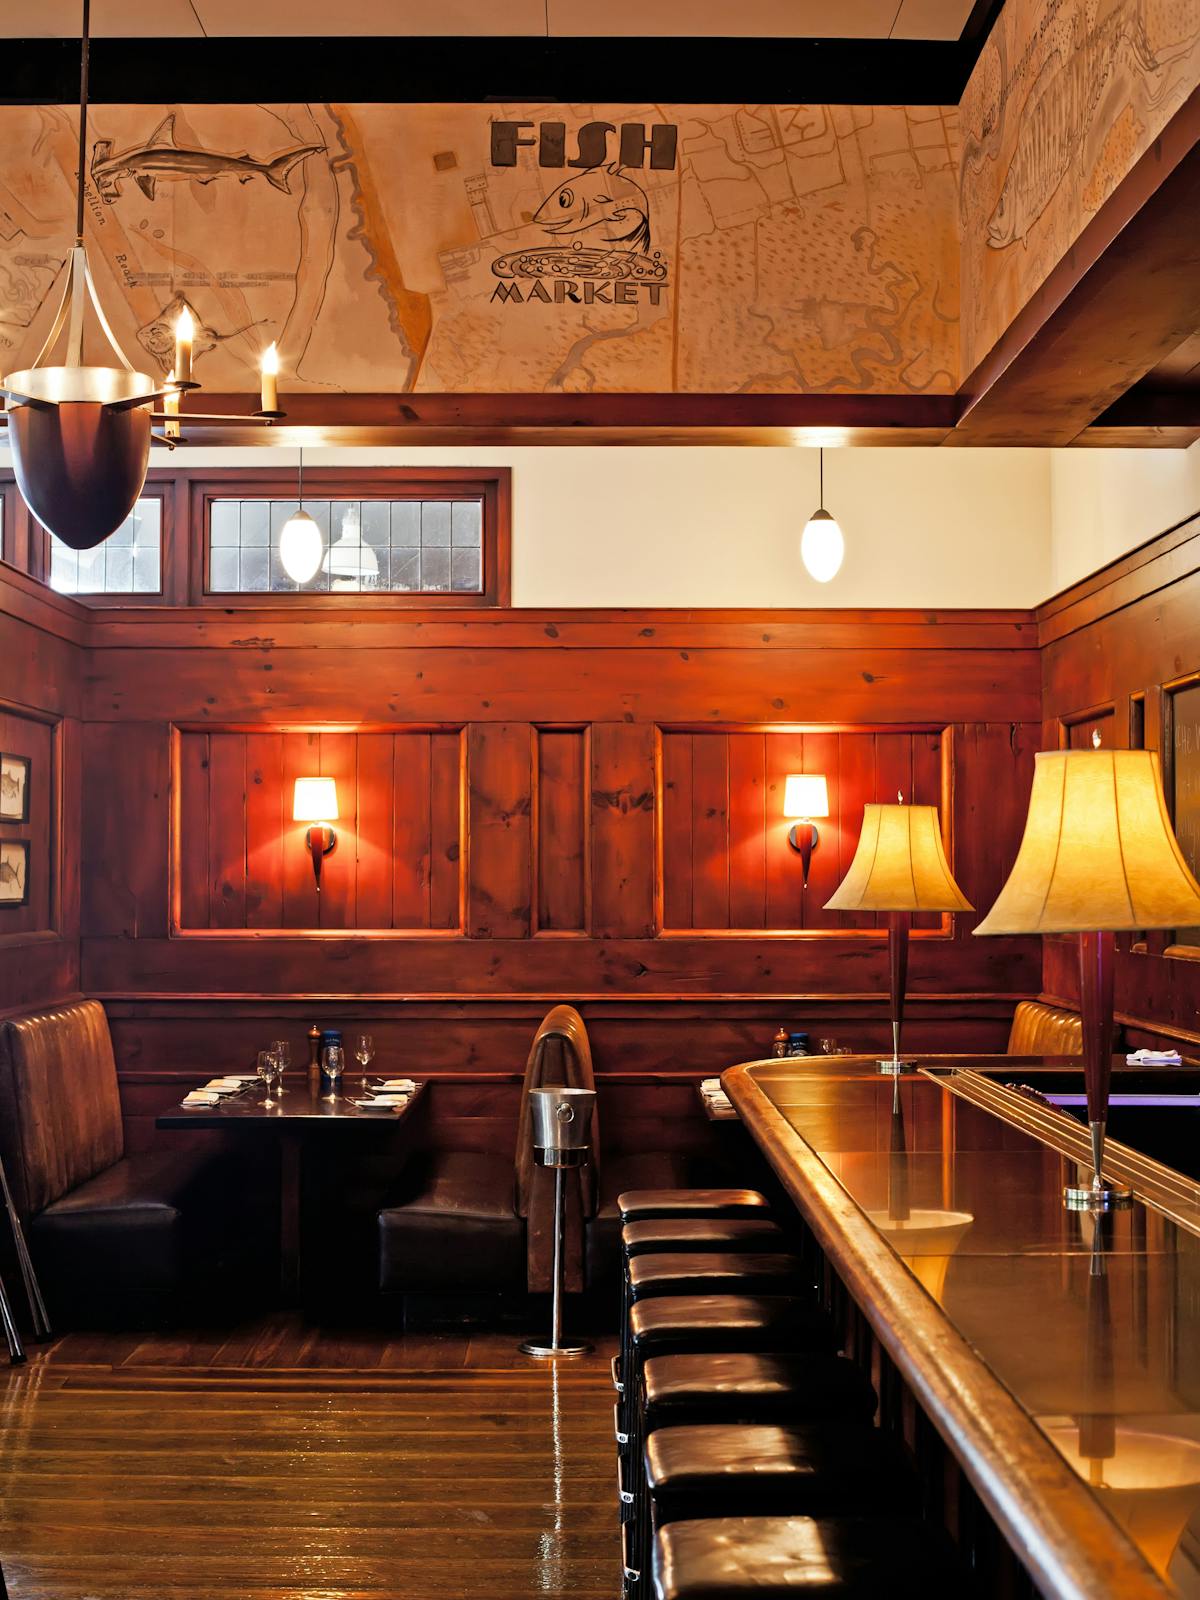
637, 1205
770, 1558
724, 1469
685, 1324
744, 1234
738, 1388
673, 1205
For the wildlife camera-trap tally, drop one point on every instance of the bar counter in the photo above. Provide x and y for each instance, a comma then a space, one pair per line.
1056, 1354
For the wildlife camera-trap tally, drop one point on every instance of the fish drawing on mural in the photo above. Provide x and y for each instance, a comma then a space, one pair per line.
161, 159
603, 202
1055, 122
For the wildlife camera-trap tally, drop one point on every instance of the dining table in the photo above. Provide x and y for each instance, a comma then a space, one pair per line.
300, 1120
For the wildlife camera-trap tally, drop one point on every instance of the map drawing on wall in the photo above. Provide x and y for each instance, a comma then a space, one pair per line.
1065, 98
768, 248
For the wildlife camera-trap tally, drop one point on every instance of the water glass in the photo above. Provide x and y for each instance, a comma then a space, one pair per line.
333, 1060
282, 1052
268, 1069
364, 1054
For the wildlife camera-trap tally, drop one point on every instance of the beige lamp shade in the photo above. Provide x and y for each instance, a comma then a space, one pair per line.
315, 800
1098, 854
899, 865
805, 795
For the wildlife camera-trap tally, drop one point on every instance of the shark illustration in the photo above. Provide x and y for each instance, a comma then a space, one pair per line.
162, 160
602, 201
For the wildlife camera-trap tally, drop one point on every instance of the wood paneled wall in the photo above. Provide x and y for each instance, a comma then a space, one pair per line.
1115, 647
41, 672
515, 827
520, 773
240, 862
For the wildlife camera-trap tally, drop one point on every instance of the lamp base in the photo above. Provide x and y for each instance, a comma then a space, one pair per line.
894, 1066
1100, 1195
533, 1347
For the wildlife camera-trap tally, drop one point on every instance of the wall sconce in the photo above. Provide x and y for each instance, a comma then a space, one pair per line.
805, 797
316, 803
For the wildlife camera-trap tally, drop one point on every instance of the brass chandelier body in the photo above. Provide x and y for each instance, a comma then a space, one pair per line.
80, 435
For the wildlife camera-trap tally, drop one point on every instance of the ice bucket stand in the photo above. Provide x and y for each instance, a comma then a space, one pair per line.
561, 1123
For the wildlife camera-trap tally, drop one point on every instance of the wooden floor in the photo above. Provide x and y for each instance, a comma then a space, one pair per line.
281, 1463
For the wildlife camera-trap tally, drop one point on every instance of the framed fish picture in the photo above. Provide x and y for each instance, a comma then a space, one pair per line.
14, 873
14, 788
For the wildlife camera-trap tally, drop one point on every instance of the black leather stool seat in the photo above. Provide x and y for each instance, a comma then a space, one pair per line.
702, 1233
727, 1469
676, 1324
740, 1387
636, 1204
669, 1272
755, 1558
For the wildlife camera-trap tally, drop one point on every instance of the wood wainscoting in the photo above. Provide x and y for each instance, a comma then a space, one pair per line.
1117, 650
534, 806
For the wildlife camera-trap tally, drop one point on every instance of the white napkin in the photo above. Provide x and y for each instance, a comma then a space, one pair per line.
1154, 1058
399, 1085
385, 1100
200, 1097
711, 1086
222, 1086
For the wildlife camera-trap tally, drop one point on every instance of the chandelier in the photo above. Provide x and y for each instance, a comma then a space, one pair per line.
80, 435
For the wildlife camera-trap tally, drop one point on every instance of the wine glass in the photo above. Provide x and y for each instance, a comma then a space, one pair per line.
268, 1068
282, 1051
364, 1054
333, 1059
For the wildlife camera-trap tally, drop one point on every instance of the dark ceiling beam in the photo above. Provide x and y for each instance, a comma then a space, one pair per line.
395, 70
1122, 299
481, 419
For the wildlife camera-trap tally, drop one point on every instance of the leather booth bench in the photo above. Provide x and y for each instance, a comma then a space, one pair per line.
114, 1236
1042, 1030
462, 1219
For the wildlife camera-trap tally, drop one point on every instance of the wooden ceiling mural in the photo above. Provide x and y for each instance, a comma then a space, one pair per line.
589, 250
1065, 98
783, 248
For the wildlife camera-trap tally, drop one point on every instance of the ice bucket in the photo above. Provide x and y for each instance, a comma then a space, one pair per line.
562, 1120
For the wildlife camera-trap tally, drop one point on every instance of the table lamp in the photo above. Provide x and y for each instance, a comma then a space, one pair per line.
1098, 856
899, 867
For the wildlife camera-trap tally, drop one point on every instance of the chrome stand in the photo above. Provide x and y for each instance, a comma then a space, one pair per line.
534, 1347
1100, 1194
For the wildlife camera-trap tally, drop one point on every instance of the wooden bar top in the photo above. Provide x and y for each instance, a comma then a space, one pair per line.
1057, 1353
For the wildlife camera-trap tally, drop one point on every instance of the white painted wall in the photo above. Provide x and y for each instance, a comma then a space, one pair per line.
713, 526
1104, 503
720, 526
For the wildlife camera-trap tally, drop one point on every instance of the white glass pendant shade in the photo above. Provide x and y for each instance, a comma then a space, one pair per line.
822, 547
300, 547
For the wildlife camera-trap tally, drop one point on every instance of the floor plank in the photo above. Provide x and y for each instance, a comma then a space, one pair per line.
276, 1461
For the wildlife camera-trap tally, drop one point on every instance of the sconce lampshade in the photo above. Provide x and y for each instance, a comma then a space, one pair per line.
805, 795
899, 865
315, 800
1098, 854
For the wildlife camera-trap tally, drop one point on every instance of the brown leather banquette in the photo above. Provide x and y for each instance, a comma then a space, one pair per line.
1042, 1030
475, 1220
113, 1236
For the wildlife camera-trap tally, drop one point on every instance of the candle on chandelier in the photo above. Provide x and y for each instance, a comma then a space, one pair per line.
171, 407
270, 372
185, 332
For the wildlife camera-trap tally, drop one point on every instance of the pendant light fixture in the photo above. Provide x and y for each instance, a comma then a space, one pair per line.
80, 435
822, 547
300, 542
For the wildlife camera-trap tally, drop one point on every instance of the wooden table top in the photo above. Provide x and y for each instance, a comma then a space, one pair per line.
297, 1107
1057, 1353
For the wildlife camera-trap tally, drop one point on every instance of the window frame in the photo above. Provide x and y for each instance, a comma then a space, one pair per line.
492, 485
153, 489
